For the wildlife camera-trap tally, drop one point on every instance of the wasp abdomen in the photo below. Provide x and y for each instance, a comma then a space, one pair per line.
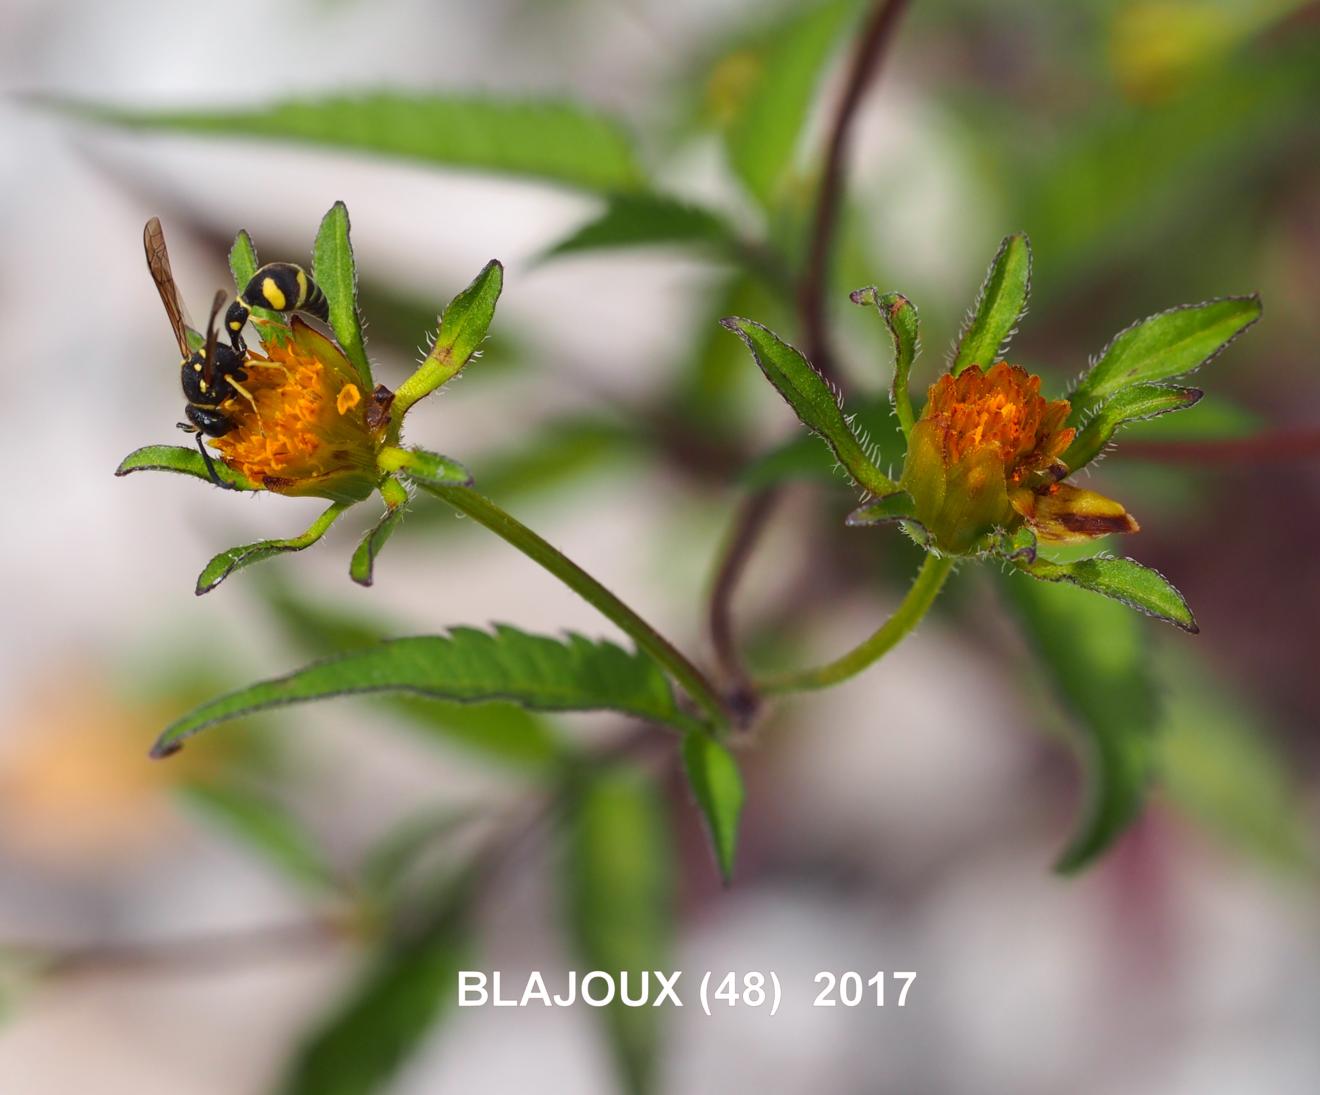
281, 287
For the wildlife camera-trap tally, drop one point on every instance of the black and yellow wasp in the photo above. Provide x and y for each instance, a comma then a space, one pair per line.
210, 372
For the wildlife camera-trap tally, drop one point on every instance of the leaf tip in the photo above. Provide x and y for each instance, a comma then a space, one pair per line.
164, 749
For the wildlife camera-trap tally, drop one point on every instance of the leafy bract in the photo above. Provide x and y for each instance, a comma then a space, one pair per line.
363, 564
998, 308
812, 398
1094, 653
900, 317
552, 141
181, 459
467, 665
1163, 346
1132, 404
1125, 580
620, 898
335, 271
236, 558
717, 784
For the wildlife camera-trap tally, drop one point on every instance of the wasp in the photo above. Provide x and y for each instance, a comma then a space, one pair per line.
281, 287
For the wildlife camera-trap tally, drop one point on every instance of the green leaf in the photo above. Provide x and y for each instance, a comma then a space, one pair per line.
185, 461
463, 326
815, 402
335, 271
264, 825
620, 895
900, 317
785, 70
426, 467
236, 558
803, 457
893, 507
717, 784
1094, 653
393, 857
1125, 580
999, 306
1163, 346
362, 566
469, 666
551, 141
243, 263
1131, 404
383, 1019
647, 219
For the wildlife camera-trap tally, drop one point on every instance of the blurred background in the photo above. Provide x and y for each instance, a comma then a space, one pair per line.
214, 923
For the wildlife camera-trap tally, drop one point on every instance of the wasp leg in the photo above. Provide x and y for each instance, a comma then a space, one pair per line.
268, 365
206, 456
251, 399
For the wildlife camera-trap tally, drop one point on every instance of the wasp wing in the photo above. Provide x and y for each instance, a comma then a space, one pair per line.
208, 354
158, 262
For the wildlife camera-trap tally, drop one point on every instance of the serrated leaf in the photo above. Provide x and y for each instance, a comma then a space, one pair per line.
467, 665
551, 141
812, 398
1164, 346
785, 67
713, 775
463, 327
265, 826
1125, 580
236, 558
361, 567
243, 263
388, 1011
999, 306
1132, 404
904, 326
335, 271
1094, 653
185, 461
647, 219
620, 897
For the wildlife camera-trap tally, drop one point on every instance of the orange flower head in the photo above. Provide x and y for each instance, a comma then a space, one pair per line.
986, 454
300, 424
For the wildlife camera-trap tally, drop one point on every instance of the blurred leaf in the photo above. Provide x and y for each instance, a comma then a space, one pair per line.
391, 858
1219, 764
236, 558
647, 219
463, 327
816, 403
243, 263
620, 895
363, 564
265, 826
467, 665
555, 452
1125, 580
387, 1013
904, 326
782, 70
1164, 346
1094, 653
717, 784
185, 461
335, 271
999, 306
1132, 404
551, 141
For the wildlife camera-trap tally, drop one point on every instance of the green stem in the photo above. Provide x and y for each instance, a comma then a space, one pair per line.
509, 528
930, 578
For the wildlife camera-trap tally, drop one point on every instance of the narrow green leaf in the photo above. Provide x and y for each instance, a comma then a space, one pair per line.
265, 826
999, 306
1094, 653
363, 564
812, 398
768, 118
243, 263
236, 558
407, 987
185, 461
463, 327
900, 317
893, 507
647, 219
1132, 404
467, 665
426, 467
335, 271
620, 895
552, 141
1166, 345
1125, 580
717, 784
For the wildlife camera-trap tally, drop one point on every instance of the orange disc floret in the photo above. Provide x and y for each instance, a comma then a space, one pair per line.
299, 425
1002, 408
